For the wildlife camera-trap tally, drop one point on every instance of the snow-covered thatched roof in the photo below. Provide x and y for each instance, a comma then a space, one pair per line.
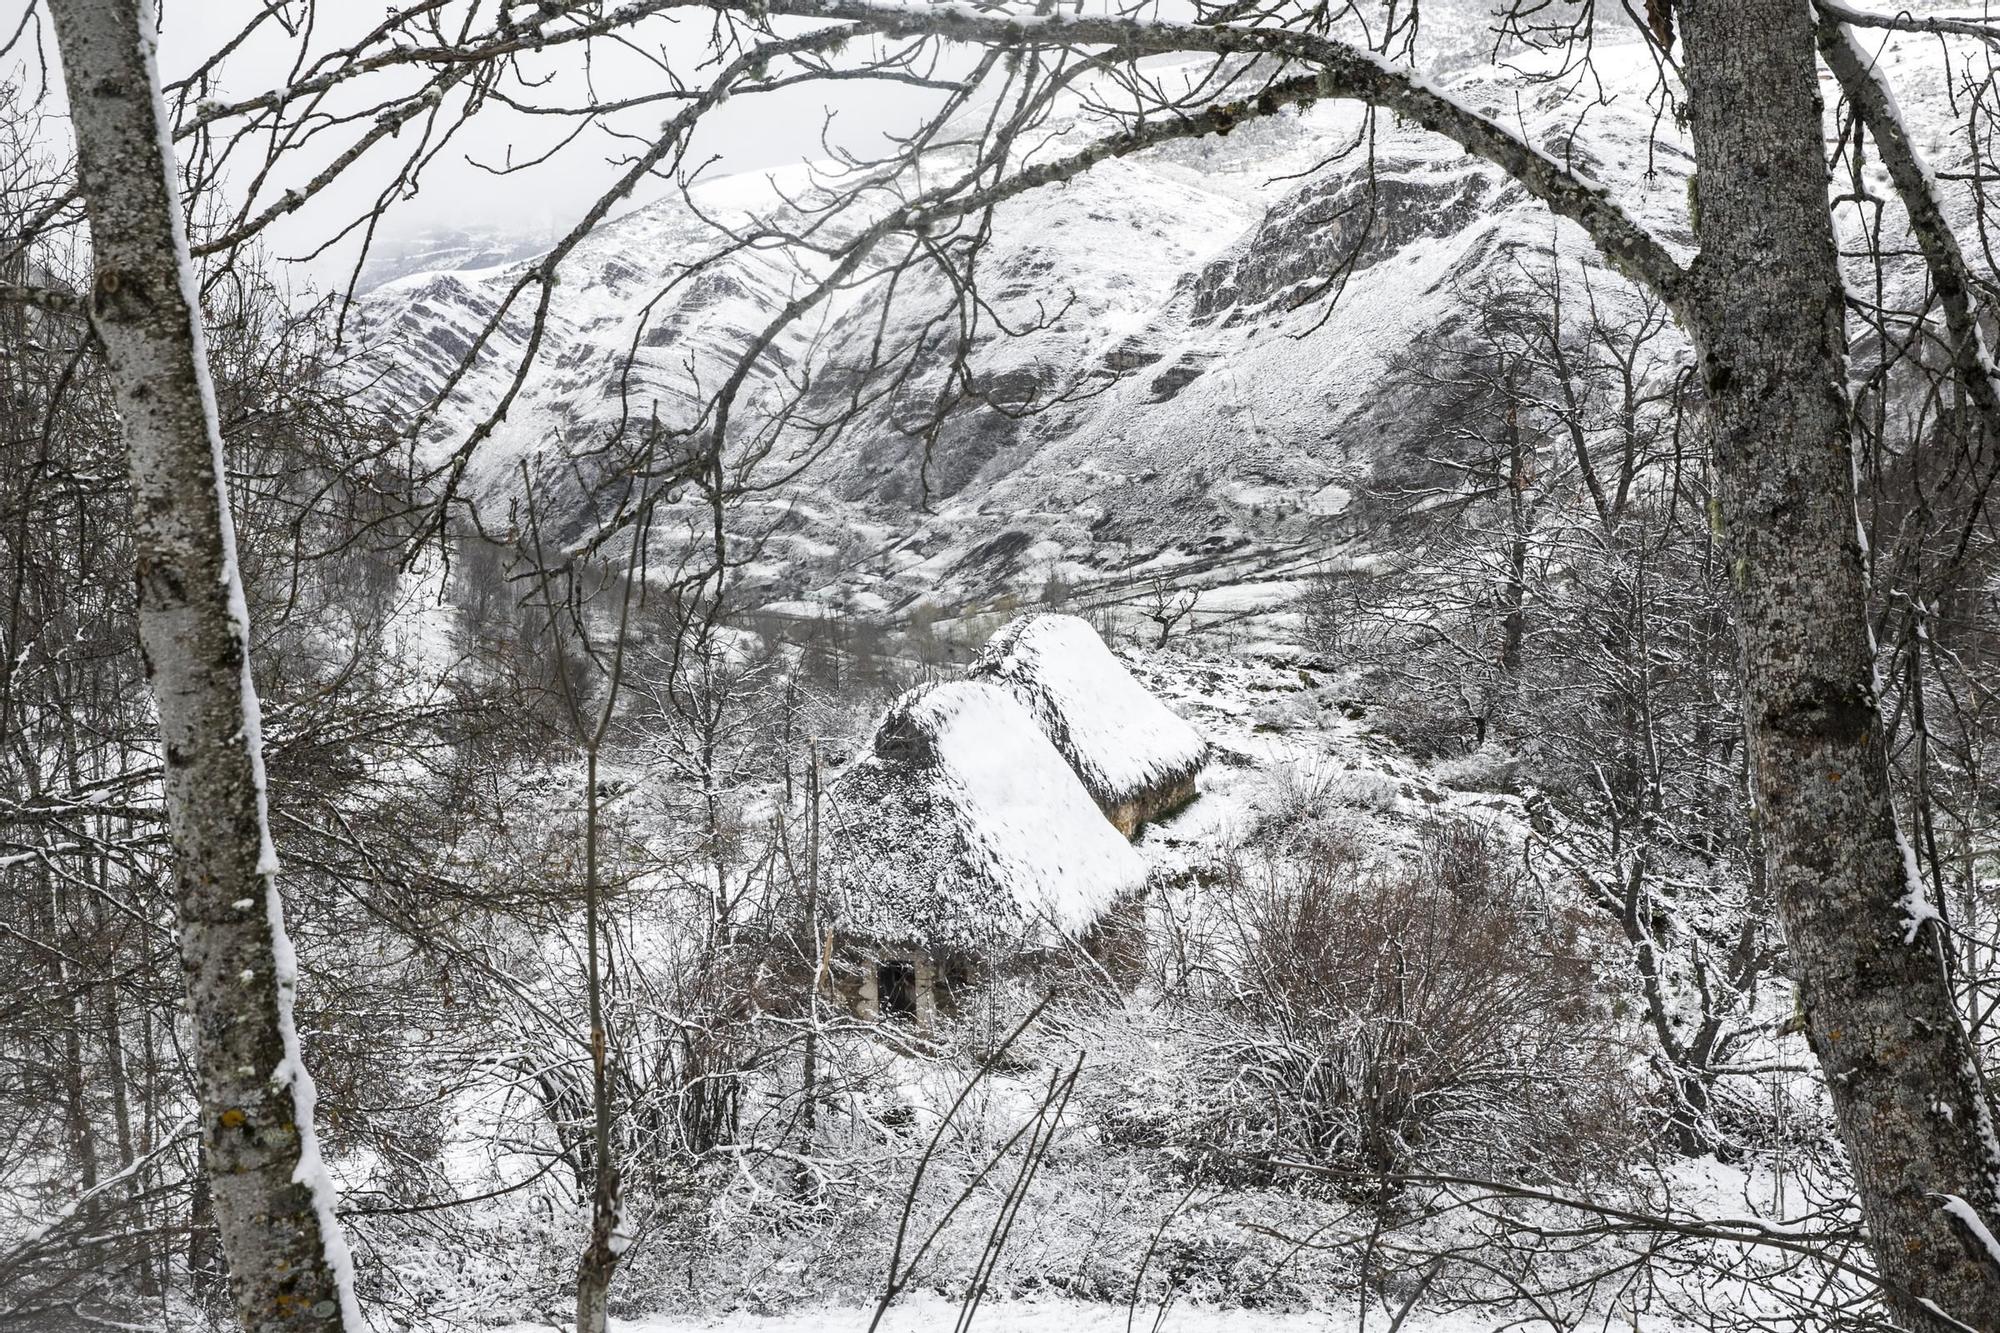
964, 830
1121, 740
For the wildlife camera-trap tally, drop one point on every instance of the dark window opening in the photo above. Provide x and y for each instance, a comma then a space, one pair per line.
896, 984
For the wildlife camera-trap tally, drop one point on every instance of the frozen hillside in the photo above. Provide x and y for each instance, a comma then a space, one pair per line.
1172, 384
450, 248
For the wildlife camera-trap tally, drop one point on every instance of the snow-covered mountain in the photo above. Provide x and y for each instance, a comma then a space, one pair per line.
1206, 407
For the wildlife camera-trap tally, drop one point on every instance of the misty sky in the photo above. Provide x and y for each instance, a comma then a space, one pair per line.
748, 133
745, 134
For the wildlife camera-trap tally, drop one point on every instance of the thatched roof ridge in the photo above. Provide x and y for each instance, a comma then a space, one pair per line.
964, 830
1121, 740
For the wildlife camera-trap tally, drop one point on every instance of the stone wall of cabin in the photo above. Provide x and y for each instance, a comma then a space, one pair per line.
855, 979
943, 982
1150, 804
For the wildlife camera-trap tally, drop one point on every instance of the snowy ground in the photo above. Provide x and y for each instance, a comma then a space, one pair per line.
1287, 738
932, 1314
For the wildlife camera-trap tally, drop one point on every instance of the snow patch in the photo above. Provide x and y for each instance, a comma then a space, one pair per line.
1968, 1217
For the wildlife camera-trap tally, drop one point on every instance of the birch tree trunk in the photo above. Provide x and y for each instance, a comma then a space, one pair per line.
272, 1203
1863, 940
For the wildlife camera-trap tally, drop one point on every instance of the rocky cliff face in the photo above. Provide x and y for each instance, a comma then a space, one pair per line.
1194, 372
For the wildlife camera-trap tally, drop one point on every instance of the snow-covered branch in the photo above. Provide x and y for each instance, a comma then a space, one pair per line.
1916, 186
1342, 71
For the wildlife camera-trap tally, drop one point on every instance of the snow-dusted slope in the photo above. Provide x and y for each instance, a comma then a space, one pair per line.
1201, 396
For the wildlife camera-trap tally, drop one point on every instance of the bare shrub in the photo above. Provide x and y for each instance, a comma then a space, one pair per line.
1332, 609
1429, 1016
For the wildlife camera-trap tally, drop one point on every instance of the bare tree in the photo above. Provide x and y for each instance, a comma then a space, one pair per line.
565, 601
1865, 945
273, 1201
1167, 606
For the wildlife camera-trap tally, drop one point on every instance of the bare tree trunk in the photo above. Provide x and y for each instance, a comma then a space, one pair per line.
272, 1203
1514, 588
811, 1076
205, 1263
599, 1263
609, 1236
119, 1078
67, 993
1872, 984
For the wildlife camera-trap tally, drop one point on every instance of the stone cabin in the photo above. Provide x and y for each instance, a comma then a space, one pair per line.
988, 825
1135, 756
962, 843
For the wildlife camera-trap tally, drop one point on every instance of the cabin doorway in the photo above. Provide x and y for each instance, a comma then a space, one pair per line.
896, 985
